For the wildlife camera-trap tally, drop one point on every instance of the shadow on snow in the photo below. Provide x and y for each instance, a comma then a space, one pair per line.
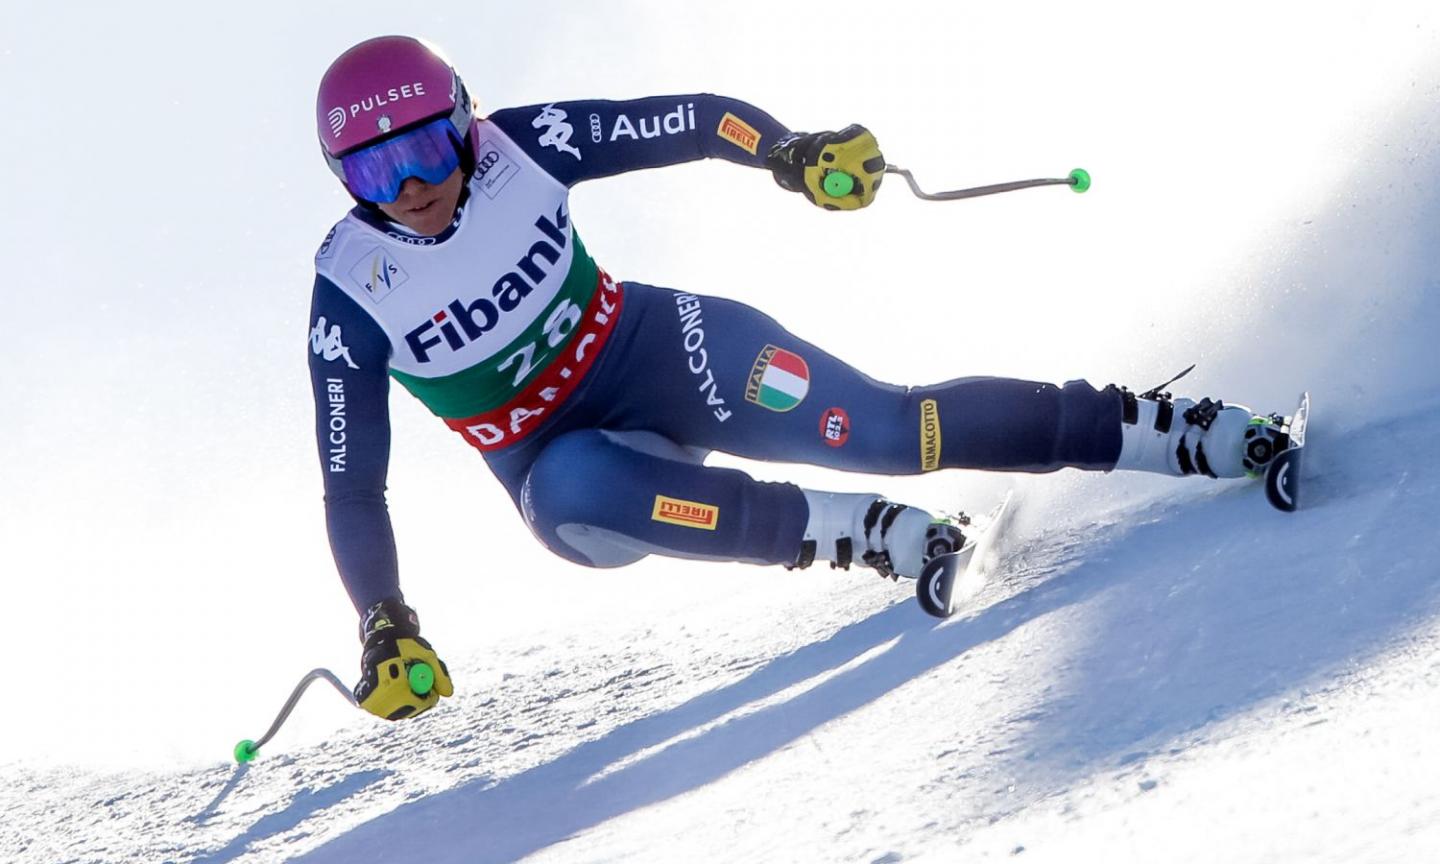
1209, 607
305, 804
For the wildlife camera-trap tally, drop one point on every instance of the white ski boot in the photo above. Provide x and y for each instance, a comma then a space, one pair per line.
1181, 437
866, 529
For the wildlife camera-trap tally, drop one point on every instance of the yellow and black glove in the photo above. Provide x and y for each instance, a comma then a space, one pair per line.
400, 676
835, 170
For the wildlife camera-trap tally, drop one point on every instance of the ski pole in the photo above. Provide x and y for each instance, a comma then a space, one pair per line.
839, 184
422, 680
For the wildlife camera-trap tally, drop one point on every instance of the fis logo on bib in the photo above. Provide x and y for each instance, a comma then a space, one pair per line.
378, 274
779, 379
686, 514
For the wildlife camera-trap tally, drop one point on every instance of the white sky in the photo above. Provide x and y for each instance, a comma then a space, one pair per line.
164, 548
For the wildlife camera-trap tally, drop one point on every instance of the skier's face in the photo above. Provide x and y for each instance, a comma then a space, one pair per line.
426, 208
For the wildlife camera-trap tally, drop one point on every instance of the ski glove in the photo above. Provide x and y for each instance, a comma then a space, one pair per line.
835, 170
394, 681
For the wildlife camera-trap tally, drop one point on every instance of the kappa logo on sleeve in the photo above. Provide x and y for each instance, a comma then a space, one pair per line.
687, 514
739, 133
929, 435
328, 343
557, 132
378, 274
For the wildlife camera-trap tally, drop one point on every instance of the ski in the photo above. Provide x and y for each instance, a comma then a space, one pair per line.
1282, 476
949, 579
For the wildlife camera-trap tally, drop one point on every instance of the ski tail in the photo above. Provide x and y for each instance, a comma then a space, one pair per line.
1282, 476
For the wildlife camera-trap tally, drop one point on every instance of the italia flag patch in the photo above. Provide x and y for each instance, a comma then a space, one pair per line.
779, 380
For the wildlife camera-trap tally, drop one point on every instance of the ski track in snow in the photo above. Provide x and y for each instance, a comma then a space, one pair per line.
1105, 656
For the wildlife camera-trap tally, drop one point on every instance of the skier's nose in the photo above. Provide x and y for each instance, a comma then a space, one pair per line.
411, 187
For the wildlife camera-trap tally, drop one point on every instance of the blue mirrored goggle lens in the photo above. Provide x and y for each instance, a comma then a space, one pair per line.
377, 172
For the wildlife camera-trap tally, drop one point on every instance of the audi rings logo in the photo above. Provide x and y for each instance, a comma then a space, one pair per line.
486, 163
596, 133
409, 239
337, 120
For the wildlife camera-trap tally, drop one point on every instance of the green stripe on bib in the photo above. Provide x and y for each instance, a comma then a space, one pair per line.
497, 379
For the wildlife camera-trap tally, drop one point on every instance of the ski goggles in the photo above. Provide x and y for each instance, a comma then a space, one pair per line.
429, 152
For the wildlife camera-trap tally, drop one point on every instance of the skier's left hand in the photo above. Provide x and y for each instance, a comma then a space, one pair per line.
393, 648
801, 162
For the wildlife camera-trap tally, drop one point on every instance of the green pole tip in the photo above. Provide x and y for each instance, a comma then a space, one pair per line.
838, 184
1079, 180
422, 679
245, 751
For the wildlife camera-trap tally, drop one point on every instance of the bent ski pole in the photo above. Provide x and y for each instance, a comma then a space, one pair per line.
839, 184
422, 679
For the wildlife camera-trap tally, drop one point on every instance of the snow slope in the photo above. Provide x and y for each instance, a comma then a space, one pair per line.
1161, 670
1200, 680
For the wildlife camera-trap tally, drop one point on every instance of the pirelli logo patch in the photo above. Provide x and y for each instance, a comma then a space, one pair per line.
687, 514
929, 435
739, 133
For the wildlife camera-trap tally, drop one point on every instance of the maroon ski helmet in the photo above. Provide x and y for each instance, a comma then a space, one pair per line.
383, 86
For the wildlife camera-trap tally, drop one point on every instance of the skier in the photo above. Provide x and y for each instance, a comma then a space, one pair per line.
460, 275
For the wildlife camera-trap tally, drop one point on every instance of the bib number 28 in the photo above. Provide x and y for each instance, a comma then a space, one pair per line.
558, 325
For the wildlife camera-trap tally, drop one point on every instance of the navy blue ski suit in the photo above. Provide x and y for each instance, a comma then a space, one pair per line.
611, 469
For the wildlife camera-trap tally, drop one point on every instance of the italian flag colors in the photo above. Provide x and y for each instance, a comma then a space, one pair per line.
779, 380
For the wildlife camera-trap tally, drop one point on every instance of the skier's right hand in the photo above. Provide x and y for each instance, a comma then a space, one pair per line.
804, 162
394, 662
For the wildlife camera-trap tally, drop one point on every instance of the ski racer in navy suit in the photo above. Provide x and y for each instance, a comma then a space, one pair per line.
460, 275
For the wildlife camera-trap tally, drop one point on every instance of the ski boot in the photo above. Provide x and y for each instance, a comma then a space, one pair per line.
892, 539
1164, 435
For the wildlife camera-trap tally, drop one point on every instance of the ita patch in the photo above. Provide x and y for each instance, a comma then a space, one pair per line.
835, 427
779, 380
378, 274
